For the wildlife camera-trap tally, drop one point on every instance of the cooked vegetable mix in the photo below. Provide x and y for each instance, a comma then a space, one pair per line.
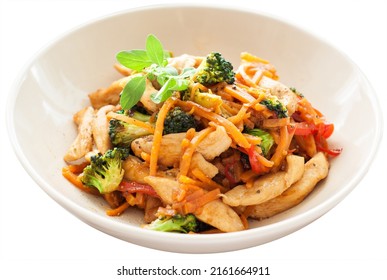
197, 144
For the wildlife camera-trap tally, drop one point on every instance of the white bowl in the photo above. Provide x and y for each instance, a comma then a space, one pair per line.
56, 83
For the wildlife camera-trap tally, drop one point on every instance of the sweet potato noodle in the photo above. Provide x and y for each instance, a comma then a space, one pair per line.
219, 151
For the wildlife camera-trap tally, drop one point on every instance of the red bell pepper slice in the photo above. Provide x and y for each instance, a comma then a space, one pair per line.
134, 187
323, 129
255, 164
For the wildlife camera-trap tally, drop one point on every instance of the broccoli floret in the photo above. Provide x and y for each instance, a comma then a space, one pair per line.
177, 121
105, 171
122, 134
215, 69
136, 112
273, 104
139, 116
267, 141
176, 223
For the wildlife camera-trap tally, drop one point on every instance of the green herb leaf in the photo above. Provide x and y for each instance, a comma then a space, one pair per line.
155, 50
132, 92
134, 59
164, 93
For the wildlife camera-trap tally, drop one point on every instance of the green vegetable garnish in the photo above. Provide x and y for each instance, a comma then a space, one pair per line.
151, 64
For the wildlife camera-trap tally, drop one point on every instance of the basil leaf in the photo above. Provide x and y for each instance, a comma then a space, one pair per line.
187, 72
155, 50
132, 92
134, 59
179, 84
164, 93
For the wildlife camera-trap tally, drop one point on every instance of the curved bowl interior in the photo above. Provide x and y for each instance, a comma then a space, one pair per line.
56, 83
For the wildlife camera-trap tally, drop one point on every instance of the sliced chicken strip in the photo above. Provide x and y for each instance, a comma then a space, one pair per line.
109, 95
316, 169
170, 151
268, 186
220, 216
184, 61
198, 161
100, 129
83, 143
166, 188
136, 170
215, 143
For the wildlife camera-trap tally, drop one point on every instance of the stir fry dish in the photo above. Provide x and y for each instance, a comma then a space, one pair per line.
199, 145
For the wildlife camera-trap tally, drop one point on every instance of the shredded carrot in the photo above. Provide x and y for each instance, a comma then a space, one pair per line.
244, 220
76, 181
257, 92
247, 175
78, 168
203, 178
185, 191
264, 161
196, 193
252, 58
239, 94
244, 76
190, 134
158, 134
282, 147
185, 180
230, 109
199, 201
118, 211
185, 161
308, 113
124, 118
205, 113
196, 87
253, 140
240, 116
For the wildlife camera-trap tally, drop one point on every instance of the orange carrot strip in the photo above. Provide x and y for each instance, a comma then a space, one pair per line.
252, 58
185, 162
245, 77
202, 177
158, 134
238, 117
118, 211
231, 129
253, 140
74, 179
185, 180
282, 147
247, 175
244, 220
194, 205
239, 94
78, 168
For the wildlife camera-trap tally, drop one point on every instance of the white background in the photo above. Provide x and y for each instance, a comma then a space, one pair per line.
39, 239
